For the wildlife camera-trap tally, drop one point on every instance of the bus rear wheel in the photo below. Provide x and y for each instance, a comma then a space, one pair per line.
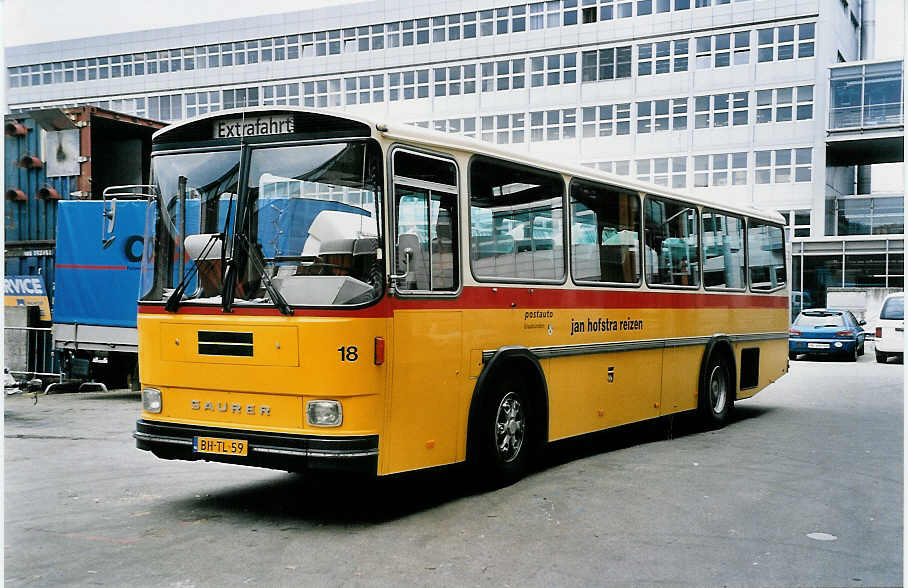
716, 394
506, 435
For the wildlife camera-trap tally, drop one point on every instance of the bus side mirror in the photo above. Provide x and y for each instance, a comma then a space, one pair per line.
406, 247
109, 219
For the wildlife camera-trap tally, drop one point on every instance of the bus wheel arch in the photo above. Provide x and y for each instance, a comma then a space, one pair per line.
512, 380
717, 383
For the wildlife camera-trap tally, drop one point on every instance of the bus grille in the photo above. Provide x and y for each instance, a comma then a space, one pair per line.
225, 343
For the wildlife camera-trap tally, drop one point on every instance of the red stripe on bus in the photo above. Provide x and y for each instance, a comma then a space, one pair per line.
90, 267
489, 297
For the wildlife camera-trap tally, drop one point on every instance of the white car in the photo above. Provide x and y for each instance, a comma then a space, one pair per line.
890, 329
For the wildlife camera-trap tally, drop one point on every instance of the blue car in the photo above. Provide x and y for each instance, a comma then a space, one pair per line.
826, 331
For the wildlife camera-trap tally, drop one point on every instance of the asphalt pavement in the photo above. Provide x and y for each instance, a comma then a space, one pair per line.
804, 487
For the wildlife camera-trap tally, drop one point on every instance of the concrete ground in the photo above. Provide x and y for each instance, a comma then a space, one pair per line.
803, 488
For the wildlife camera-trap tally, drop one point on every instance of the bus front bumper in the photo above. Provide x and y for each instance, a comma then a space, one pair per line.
269, 450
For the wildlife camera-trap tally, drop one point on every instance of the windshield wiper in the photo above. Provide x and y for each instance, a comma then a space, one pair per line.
173, 302
272, 290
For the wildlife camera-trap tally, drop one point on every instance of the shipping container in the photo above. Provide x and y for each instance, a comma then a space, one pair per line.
64, 154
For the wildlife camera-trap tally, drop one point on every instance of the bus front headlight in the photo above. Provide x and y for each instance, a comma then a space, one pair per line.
151, 400
324, 413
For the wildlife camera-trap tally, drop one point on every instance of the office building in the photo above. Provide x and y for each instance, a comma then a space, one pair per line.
762, 102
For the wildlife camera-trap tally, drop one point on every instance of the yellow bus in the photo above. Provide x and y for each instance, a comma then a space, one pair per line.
320, 290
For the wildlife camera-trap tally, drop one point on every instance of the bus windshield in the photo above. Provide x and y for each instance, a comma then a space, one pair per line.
282, 225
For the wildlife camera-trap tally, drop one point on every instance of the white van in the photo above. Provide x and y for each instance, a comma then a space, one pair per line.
890, 329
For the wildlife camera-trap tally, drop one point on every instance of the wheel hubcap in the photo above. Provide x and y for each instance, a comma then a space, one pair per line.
510, 426
718, 389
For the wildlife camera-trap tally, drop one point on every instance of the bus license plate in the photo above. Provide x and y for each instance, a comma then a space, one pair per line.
220, 446
818, 345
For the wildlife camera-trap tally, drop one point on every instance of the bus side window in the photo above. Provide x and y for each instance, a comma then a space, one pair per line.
605, 234
723, 250
671, 244
765, 255
425, 231
516, 222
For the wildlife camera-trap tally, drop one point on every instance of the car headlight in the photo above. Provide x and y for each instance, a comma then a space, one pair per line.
324, 413
151, 400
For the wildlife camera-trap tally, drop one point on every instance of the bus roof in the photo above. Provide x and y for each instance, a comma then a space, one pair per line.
430, 138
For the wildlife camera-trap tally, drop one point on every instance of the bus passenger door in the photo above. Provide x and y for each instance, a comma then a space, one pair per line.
423, 423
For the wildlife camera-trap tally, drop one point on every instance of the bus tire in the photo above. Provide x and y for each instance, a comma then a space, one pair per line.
716, 395
506, 433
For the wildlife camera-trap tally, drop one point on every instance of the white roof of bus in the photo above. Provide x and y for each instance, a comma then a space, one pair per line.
428, 138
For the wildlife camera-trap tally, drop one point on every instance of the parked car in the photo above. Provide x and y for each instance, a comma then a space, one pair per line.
826, 331
890, 330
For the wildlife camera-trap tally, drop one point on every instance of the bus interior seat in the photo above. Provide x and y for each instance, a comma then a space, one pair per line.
209, 266
443, 253
418, 275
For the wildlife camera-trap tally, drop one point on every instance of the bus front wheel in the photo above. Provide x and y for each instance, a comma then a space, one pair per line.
506, 435
716, 393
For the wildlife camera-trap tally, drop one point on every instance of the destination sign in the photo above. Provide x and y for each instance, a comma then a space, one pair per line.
253, 126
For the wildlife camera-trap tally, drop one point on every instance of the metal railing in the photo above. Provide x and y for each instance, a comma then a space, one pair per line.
867, 116
30, 353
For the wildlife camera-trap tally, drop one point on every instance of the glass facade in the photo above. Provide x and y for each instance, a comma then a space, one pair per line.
813, 275
867, 95
866, 215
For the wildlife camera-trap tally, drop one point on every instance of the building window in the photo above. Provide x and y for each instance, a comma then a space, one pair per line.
589, 14
704, 52
656, 171
779, 43
606, 64
242, 97
742, 48
870, 216
784, 104
518, 19
606, 120
537, 18
776, 166
797, 223
469, 25
721, 110
165, 108
503, 75
322, 93
199, 103
486, 23
765, 45
656, 58
654, 116
806, 40
553, 125
785, 44
553, 14
720, 169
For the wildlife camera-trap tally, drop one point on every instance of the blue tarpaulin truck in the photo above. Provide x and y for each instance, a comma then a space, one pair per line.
97, 284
